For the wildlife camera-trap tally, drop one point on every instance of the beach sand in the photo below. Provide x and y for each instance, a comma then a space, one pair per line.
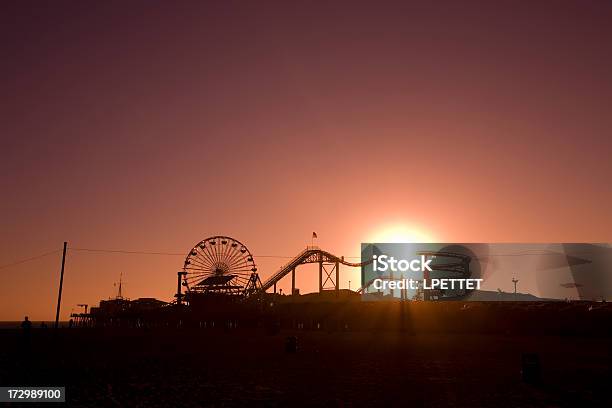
190, 368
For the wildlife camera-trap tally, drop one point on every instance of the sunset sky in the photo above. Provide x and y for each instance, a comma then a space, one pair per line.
151, 126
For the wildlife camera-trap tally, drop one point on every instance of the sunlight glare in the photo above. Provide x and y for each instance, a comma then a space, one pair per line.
398, 233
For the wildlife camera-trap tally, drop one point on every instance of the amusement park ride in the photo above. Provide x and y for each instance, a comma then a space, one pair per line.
222, 265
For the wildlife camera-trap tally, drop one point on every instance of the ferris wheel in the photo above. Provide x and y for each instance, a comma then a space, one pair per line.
221, 265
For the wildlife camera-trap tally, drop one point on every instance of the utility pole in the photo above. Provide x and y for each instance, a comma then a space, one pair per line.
59, 296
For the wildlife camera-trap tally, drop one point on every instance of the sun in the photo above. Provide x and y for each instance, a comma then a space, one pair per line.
399, 233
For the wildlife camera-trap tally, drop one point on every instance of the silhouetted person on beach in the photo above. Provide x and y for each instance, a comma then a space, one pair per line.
26, 326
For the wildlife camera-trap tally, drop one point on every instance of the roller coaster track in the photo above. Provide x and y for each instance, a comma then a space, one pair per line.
311, 254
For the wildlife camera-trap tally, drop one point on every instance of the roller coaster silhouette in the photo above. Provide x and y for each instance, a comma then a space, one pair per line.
223, 266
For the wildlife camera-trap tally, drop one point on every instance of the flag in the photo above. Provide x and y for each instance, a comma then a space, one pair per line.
314, 235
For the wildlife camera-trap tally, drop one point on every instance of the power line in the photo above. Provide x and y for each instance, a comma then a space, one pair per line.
30, 259
122, 251
127, 252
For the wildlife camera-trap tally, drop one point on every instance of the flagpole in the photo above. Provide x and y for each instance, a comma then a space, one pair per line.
312, 238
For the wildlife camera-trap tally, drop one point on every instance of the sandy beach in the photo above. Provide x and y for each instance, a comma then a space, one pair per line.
140, 368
